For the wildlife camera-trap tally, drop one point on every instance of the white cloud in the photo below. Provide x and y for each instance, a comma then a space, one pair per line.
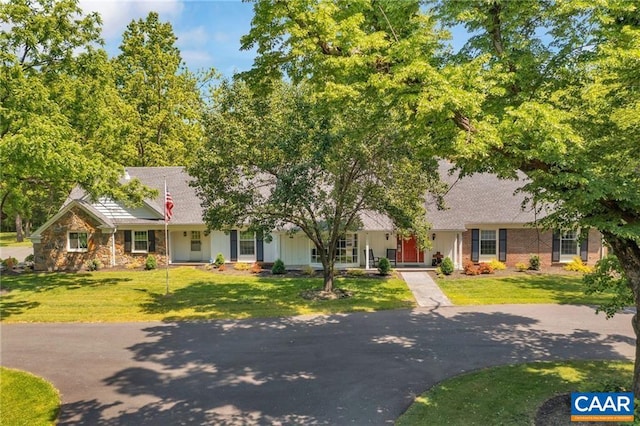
196, 59
194, 37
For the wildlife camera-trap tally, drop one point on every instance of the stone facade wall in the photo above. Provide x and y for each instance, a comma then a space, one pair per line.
125, 259
51, 253
523, 242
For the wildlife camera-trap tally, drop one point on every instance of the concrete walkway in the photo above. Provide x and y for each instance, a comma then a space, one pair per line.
425, 290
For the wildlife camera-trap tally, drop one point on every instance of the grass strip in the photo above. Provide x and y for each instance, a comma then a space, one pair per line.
27, 399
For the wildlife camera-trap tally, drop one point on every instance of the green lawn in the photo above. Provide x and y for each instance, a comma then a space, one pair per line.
115, 296
511, 395
519, 288
27, 399
8, 239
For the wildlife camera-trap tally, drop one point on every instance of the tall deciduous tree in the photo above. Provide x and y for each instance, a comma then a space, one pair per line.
166, 107
286, 161
58, 105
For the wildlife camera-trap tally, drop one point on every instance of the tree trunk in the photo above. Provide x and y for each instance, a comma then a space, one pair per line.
27, 228
328, 277
628, 253
19, 234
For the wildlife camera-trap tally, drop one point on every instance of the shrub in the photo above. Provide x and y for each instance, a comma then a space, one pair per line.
578, 265
219, 260
356, 272
134, 264
29, 258
10, 262
485, 268
256, 268
150, 263
534, 262
278, 267
222, 268
446, 266
241, 266
521, 267
308, 270
93, 264
384, 266
470, 268
496, 265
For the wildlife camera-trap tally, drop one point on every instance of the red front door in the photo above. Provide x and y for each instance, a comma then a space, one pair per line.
410, 250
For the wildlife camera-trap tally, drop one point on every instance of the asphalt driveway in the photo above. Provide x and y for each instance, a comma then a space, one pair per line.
361, 368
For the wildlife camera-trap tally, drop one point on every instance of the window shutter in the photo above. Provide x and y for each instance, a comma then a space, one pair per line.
475, 245
127, 241
502, 253
584, 248
555, 247
259, 247
234, 245
151, 235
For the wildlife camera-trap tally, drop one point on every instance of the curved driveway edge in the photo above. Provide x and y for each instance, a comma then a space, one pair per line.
362, 368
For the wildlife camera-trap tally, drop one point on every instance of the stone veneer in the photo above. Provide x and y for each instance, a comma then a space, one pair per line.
51, 253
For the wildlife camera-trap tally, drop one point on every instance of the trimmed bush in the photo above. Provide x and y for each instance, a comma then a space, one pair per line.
485, 268
219, 260
278, 267
10, 262
470, 268
93, 265
534, 262
241, 266
384, 266
150, 263
29, 259
446, 266
256, 268
496, 265
222, 268
356, 272
308, 270
578, 265
521, 267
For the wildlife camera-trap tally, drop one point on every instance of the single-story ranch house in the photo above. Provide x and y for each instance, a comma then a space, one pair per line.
484, 220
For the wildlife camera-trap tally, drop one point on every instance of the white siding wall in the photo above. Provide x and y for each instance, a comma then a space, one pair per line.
296, 250
444, 243
271, 249
220, 244
377, 242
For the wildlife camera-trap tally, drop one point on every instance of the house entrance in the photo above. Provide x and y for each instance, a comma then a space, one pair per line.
409, 251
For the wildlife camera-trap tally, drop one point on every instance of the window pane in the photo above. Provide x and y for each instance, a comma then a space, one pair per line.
488, 243
140, 241
569, 244
82, 240
246, 248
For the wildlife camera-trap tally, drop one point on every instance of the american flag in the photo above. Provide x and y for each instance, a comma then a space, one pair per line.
168, 205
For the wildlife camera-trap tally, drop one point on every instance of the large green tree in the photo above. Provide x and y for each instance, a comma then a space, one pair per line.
549, 88
166, 107
59, 112
286, 160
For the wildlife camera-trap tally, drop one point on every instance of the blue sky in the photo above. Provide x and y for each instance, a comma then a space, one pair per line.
208, 31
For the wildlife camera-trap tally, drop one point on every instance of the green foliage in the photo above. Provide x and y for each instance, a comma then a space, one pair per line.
447, 266
93, 264
521, 266
384, 266
577, 265
356, 272
241, 266
534, 262
27, 399
308, 270
29, 258
278, 267
10, 262
219, 261
609, 279
150, 263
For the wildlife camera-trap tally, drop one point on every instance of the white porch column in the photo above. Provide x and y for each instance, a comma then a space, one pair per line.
113, 247
459, 238
366, 251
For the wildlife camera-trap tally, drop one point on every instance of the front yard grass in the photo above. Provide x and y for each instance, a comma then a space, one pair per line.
8, 239
511, 395
27, 399
195, 294
519, 288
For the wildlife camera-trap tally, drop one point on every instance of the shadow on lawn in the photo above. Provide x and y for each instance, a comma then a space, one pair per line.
268, 297
336, 369
12, 285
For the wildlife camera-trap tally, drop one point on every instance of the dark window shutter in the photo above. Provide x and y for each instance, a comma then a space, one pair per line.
151, 235
555, 247
234, 245
127, 241
584, 248
475, 245
502, 253
259, 247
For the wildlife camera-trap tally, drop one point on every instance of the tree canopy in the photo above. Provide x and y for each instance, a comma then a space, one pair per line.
290, 161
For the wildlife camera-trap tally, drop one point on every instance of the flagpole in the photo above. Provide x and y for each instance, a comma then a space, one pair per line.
166, 238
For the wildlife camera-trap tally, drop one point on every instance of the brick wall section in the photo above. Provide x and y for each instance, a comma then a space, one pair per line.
51, 253
523, 242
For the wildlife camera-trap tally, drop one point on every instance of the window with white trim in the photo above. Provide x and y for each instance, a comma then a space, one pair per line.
78, 241
196, 242
247, 243
346, 250
140, 241
488, 242
569, 244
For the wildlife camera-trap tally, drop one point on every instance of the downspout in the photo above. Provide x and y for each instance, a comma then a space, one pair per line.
113, 247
